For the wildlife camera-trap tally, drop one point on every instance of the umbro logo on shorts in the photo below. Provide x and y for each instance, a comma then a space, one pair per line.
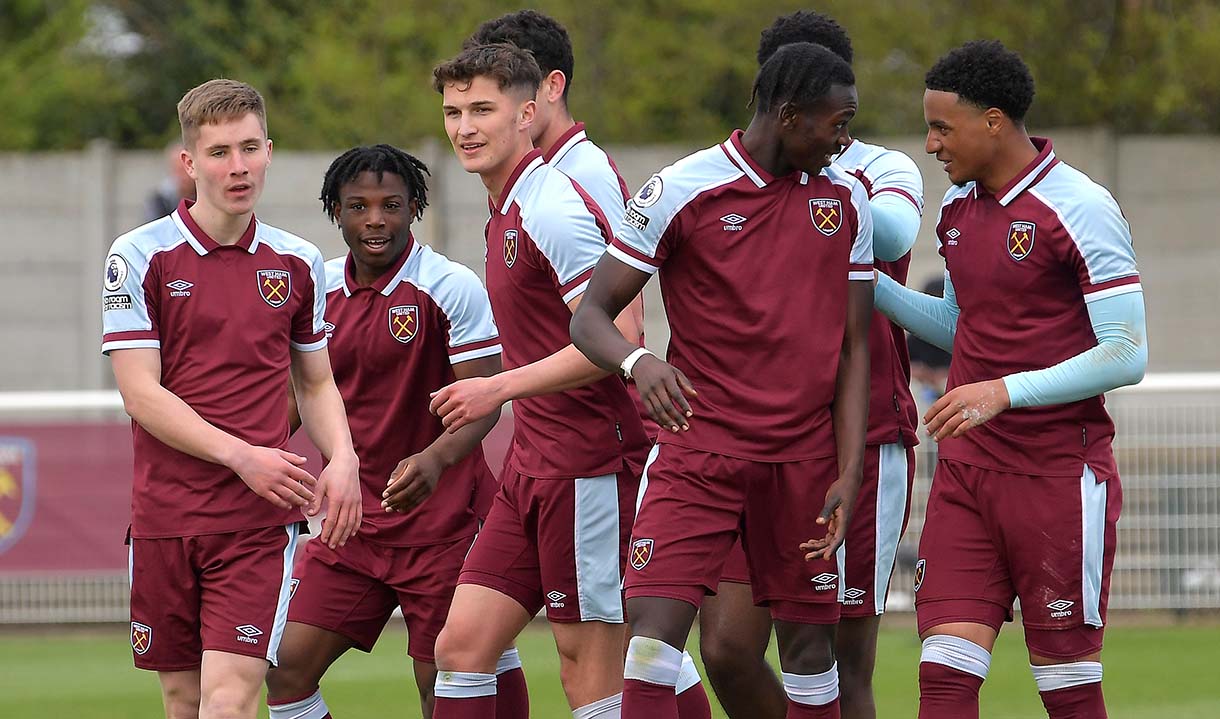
824, 581
141, 637
853, 596
556, 598
1060, 608
248, 633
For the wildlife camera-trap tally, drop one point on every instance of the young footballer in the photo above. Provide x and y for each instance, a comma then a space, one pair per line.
764, 250
206, 314
733, 632
1044, 313
402, 322
554, 536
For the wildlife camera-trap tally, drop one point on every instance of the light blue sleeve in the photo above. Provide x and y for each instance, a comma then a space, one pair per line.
1120, 357
895, 226
932, 319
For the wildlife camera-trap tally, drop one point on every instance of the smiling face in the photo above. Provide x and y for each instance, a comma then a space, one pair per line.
487, 125
228, 162
810, 137
375, 219
960, 135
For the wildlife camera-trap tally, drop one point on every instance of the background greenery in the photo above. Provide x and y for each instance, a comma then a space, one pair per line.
348, 71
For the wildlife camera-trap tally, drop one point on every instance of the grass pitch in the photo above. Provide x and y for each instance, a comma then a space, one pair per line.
1152, 672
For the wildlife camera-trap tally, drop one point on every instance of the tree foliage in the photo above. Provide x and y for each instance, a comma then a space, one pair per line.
351, 71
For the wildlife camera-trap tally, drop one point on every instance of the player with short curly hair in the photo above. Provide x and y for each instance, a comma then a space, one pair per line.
1043, 312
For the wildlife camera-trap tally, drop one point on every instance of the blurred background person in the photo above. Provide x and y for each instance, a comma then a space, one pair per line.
174, 187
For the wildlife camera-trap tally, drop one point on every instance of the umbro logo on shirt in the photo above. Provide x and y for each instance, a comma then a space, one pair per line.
732, 222
180, 288
953, 234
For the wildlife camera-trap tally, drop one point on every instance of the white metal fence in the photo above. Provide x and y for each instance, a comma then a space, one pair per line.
1168, 448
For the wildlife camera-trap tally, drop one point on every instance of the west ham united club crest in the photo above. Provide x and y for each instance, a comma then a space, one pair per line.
510, 248
921, 568
1021, 240
404, 322
641, 552
827, 215
275, 286
141, 637
16, 489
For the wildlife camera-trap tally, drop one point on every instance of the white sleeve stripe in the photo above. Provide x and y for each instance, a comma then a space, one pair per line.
130, 345
630, 261
468, 355
575, 292
860, 276
308, 347
1113, 291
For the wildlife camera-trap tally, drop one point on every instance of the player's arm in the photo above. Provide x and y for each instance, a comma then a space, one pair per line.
325, 420
468, 400
932, 319
273, 474
895, 225
661, 386
1119, 358
416, 477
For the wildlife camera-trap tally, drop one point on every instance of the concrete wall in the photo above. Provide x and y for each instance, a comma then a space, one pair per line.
59, 212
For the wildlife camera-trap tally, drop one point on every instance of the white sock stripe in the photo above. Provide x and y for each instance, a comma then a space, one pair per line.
653, 661
311, 707
508, 661
465, 685
688, 675
956, 653
608, 708
813, 689
1064, 676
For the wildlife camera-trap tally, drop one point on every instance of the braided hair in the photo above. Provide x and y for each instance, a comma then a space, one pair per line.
804, 26
380, 159
800, 73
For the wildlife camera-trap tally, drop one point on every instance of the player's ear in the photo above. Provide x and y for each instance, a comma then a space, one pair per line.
412, 210
268, 150
996, 119
553, 85
787, 115
528, 110
188, 162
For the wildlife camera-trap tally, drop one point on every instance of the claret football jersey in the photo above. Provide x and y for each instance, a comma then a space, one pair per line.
1025, 262
580, 159
392, 344
754, 273
892, 415
223, 318
543, 239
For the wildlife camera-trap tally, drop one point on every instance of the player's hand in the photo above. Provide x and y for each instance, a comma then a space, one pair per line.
411, 482
466, 401
276, 476
966, 407
664, 389
836, 516
339, 487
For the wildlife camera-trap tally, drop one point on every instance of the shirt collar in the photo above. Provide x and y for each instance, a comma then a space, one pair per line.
573, 137
738, 155
532, 161
200, 241
1033, 172
390, 279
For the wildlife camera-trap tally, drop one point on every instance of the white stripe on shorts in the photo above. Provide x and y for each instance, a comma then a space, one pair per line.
891, 506
281, 607
652, 457
1093, 530
597, 549
887, 523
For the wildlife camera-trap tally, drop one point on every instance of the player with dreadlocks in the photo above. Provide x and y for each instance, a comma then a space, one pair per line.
734, 634
764, 396
402, 322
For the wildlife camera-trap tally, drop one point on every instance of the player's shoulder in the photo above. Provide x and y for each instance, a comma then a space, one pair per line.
148, 239
875, 160
1071, 192
336, 271
285, 243
678, 184
550, 205
434, 273
958, 193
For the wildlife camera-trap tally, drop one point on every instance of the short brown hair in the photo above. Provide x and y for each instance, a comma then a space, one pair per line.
507, 64
216, 101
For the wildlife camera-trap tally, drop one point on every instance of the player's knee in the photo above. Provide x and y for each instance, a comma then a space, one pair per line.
181, 700
229, 703
290, 681
460, 647
807, 649
726, 656
855, 677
